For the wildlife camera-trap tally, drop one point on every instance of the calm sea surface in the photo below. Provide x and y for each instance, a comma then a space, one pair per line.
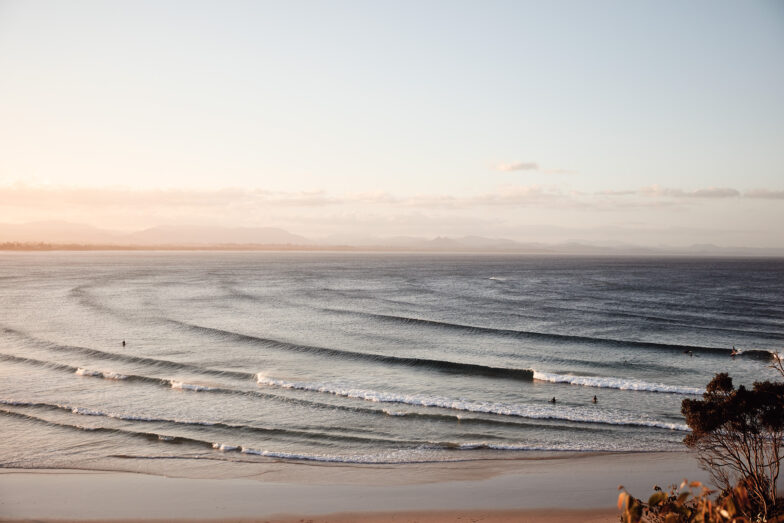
366, 358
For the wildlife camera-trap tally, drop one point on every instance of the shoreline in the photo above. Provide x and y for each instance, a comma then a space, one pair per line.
445, 516
547, 489
381, 250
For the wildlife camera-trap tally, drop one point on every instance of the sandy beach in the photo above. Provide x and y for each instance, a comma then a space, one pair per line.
445, 516
580, 488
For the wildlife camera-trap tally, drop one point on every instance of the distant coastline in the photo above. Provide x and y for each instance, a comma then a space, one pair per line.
39, 246
65, 236
555, 250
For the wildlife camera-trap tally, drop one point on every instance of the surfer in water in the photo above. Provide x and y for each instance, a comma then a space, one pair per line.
734, 352
595, 399
123, 344
552, 400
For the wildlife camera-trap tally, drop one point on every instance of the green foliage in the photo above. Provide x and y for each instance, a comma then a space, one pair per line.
739, 436
686, 503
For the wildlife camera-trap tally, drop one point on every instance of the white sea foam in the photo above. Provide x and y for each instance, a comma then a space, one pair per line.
427, 453
87, 372
525, 447
552, 412
394, 413
16, 403
398, 456
189, 386
114, 376
86, 412
223, 447
608, 382
107, 375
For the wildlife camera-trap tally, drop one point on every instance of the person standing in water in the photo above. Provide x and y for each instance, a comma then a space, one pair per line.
123, 343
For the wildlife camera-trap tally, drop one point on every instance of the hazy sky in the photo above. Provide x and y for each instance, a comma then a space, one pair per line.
643, 122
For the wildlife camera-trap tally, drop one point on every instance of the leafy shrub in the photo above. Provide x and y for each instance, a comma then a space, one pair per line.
739, 436
687, 503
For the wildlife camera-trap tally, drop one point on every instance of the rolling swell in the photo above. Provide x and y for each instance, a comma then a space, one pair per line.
407, 456
550, 424
127, 358
564, 413
112, 376
38, 363
609, 382
81, 371
709, 323
149, 436
567, 338
175, 384
444, 366
527, 411
239, 428
306, 434
414, 416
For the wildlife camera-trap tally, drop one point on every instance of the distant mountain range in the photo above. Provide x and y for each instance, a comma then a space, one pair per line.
56, 233
71, 233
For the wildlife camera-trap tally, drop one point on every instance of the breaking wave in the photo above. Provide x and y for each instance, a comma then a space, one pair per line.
565, 413
107, 375
452, 367
607, 382
560, 338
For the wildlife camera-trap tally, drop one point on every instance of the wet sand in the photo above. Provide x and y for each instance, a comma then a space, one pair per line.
446, 516
577, 488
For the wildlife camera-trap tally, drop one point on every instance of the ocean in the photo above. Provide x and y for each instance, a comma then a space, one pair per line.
244, 357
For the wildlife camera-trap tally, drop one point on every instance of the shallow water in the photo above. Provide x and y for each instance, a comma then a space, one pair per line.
366, 358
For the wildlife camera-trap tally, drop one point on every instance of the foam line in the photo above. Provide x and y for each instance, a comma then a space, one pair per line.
565, 413
561, 338
608, 382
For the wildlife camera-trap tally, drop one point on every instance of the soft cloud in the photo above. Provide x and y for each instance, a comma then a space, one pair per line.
530, 166
707, 193
132, 209
505, 196
765, 194
665, 192
129, 208
20, 195
518, 195
518, 211
371, 197
518, 166
616, 193
710, 192
558, 171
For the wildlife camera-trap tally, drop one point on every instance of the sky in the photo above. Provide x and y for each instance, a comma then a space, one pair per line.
646, 122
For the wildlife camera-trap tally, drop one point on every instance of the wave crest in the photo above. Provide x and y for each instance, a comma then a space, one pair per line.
175, 384
107, 375
609, 382
565, 413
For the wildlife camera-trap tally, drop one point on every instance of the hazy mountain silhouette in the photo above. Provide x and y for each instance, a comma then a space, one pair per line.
65, 233
56, 232
200, 235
